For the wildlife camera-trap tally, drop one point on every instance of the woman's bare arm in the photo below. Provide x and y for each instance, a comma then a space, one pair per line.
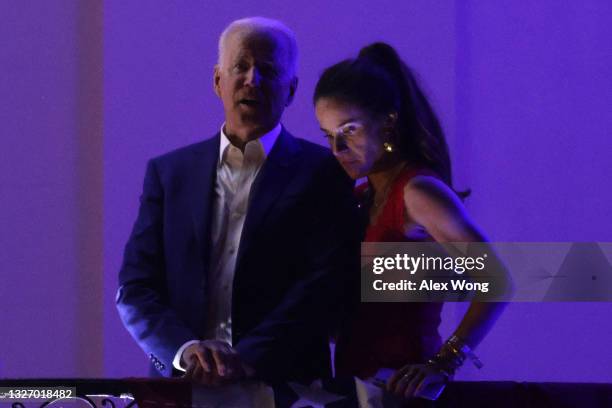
432, 204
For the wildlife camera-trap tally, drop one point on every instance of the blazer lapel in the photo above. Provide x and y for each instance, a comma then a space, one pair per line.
274, 176
203, 178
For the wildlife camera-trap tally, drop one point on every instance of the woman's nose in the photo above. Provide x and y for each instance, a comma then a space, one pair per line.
339, 145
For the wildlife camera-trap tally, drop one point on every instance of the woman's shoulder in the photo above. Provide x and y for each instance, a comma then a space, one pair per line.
425, 182
426, 193
416, 180
416, 175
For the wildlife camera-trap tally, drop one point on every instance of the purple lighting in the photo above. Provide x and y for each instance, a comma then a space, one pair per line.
91, 91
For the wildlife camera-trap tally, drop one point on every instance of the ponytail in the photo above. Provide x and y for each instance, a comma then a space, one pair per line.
421, 136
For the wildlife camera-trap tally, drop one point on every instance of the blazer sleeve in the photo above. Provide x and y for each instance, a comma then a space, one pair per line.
142, 297
319, 301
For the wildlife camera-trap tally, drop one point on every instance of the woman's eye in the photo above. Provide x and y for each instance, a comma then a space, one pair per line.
349, 130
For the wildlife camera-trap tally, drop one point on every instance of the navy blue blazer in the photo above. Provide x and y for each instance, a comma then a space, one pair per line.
296, 269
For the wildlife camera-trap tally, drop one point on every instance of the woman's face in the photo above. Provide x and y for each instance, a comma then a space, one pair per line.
356, 139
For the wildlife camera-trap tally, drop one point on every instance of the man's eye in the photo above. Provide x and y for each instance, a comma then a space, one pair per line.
240, 67
268, 71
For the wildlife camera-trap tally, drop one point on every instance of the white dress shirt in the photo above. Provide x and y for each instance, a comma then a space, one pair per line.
236, 171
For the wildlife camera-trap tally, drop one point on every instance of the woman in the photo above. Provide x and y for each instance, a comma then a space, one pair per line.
380, 126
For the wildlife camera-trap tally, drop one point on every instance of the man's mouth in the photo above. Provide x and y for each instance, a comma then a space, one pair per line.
249, 102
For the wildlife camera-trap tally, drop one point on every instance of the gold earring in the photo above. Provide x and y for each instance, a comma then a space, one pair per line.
388, 147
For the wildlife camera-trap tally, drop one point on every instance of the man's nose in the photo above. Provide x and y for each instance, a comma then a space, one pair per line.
253, 77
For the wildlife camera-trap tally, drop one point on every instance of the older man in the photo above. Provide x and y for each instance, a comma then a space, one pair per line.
244, 246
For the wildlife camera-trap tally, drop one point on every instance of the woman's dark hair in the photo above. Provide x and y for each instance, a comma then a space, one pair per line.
379, 82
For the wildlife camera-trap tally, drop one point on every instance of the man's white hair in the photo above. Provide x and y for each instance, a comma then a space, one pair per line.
246, 26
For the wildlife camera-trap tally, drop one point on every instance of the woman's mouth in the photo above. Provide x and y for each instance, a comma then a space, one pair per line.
348, 163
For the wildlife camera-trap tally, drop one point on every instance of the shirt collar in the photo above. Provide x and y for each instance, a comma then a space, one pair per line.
267, 140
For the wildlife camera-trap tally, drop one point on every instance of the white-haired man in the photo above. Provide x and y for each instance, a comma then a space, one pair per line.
243, 248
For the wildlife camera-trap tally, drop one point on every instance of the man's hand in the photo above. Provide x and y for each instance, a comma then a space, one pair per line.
214, 363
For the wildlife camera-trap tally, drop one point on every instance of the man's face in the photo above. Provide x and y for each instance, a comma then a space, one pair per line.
254, 82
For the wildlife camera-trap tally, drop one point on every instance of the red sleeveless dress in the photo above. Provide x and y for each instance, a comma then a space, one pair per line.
388, 335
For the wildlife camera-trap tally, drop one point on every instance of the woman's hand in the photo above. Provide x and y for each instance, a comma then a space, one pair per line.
412, 380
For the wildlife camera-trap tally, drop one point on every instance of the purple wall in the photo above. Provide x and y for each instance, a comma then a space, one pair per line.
523, 93
533, 120
158, 94
50, 190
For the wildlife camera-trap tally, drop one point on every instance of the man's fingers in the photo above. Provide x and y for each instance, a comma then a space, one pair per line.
200, 376
205, 359
193, 362
217, 361
194, 370
219, 357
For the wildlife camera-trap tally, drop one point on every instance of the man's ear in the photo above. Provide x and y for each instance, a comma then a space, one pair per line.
292, 89
216, 80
